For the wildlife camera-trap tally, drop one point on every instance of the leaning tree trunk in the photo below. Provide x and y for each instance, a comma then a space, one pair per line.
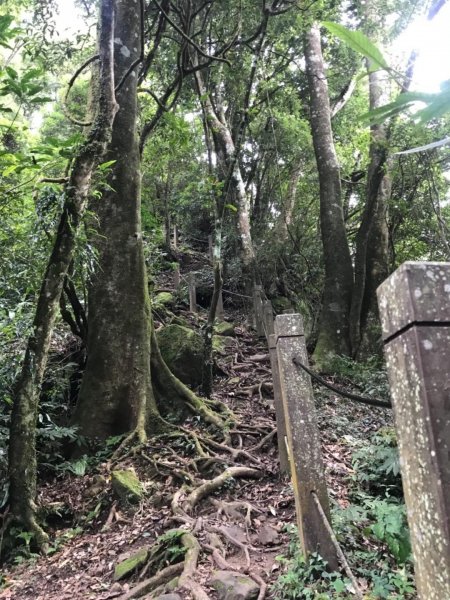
22, 446
116, 393
334, 321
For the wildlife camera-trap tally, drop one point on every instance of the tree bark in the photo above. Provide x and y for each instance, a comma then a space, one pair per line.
373, 214
116, 392
22, 447
333, 336
287, 209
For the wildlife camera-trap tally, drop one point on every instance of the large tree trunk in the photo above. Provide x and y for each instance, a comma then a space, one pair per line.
125, 372
116, 393
334, 321
22, 446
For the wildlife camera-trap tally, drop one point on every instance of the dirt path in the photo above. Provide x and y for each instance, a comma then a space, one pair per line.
234, 523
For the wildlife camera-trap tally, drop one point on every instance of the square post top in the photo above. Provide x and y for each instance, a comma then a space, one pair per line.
289, 325
417, 292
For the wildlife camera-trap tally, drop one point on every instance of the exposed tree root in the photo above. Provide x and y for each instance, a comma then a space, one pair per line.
264, 441
232, 509
153, 582
236, 453
186, 580
262, 585
225, 533
208, 487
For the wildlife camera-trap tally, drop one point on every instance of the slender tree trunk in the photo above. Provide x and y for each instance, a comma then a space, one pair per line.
225, 149
334, 321
373, 212
287, 210
377, 259
22, 447
116, 392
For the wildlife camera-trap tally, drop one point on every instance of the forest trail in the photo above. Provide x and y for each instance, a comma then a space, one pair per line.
240, 524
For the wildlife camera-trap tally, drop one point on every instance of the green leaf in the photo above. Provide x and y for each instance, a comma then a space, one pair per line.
231, 207
359, 42
401, 103
9, 170
104, 166
12, 73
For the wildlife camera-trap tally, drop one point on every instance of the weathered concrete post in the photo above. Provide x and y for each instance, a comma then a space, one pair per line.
415, 313
192, 293
269, 322
176, 276
210, 248
258, 310
219, 308
303, 438
278, 404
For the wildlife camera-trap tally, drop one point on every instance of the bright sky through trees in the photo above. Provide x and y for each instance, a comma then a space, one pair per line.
430, 38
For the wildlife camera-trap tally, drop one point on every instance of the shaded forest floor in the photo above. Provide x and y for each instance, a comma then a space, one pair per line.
247, 519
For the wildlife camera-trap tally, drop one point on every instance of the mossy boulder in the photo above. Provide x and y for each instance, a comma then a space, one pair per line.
224, 328
126, 485
127, 566
221, 344
182, 350
230, 585
280, 304
163, 299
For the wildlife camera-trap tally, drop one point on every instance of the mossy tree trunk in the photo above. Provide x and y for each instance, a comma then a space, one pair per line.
116, 393
125, 373
22, 446
334, 321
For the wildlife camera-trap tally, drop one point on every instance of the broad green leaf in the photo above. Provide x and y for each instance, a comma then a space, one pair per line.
40, 100
402, 102
106, 165
357, 41
9, 170
231, 207
12, 73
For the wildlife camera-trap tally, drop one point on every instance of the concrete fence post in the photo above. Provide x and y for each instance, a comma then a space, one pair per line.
176, 276
258, 310
415, 313
269, 322
192, 293
303, 438
278, 405
219, 309
210, 248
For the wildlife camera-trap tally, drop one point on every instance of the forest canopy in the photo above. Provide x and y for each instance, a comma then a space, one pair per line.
281, 144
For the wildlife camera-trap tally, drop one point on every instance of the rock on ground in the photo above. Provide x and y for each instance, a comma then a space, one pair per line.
234, 586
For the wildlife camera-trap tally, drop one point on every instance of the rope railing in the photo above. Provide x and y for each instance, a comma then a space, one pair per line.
349, 395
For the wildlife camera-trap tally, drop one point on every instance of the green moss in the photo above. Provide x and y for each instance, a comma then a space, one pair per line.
224, 328
281, 304
126, 485
222, 343
163, 299
127, 566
